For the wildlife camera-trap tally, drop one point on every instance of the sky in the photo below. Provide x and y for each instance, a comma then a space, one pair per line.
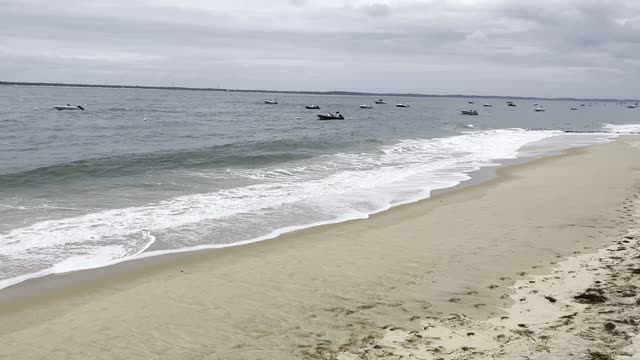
546, 48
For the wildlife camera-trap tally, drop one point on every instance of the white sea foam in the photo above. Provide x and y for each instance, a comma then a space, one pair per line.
623, 129
331, 188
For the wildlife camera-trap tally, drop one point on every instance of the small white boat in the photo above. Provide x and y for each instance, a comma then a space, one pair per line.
271, 102
310, 107
68, 107
365, 106
380, 101
539, 109
403, 105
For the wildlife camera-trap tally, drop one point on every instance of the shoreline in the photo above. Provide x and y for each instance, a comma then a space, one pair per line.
477, 177
343, 281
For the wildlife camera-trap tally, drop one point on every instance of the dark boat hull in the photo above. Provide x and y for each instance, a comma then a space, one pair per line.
328, 117
62, 107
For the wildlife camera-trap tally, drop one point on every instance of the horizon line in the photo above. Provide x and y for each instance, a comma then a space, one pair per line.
308, 92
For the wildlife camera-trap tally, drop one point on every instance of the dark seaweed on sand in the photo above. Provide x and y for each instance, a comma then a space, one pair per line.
596, 355
591, 296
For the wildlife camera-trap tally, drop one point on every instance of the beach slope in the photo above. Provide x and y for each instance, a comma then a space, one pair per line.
338, 290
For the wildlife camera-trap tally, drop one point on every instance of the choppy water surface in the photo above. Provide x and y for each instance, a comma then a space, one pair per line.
151, 171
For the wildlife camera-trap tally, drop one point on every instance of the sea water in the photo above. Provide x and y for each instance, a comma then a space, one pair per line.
144, 172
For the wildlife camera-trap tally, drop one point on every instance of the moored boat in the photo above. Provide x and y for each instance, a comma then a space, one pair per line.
312, 107
365, 106
271, 102
68, 107
469, 112
380, 101
402, 105
330, 116
487, 105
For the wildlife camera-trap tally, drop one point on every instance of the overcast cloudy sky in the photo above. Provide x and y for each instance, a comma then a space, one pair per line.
583, 48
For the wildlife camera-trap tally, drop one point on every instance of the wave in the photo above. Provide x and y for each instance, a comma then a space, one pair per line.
631, 129
232, 154
328, 188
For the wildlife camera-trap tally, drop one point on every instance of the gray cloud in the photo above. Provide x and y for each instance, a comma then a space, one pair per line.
376, 9
543, 48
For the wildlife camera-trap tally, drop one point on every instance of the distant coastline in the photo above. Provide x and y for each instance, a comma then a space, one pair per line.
336, 92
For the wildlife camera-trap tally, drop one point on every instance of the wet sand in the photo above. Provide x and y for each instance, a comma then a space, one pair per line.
337, 290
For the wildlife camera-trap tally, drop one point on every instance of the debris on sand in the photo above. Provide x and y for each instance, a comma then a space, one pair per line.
591, 296
596, 355
570, 316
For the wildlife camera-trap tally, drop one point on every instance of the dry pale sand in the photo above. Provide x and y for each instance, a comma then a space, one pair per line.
588, 307
341, 290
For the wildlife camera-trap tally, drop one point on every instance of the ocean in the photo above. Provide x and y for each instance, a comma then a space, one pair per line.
147, 172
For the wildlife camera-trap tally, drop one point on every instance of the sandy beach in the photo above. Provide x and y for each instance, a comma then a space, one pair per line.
443, 278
